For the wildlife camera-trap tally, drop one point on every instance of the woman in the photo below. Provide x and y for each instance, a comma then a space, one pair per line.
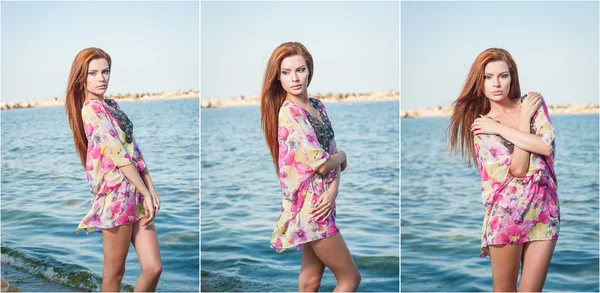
511, 140
121, 186
300, 138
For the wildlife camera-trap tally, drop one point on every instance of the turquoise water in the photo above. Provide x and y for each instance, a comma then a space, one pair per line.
442, 211
241, 200
45, 194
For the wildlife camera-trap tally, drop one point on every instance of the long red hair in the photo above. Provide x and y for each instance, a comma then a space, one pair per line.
76, 95
273, 95
472, 101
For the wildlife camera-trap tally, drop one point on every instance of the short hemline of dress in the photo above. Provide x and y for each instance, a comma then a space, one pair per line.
485, 251
90, 229
300, 246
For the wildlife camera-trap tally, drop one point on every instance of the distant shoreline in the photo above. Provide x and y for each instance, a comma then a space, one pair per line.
241, 101
447, 111
54, 102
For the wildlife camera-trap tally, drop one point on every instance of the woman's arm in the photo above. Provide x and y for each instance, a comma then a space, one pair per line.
333, 162
520, 157
146, 177
335, 184
325, 203
526, 141
521, 139
130, 171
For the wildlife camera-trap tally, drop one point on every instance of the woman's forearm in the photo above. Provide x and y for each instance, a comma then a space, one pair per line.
333, 162
336, 181
520, 157
147, 180
146, 177
525, 140
130, 171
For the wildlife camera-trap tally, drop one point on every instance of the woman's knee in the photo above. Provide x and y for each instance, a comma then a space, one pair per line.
114, 273
350, 282
153, 270
356, 278
309, 283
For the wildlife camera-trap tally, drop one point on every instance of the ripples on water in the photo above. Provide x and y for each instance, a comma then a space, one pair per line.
442, 211
241, 200
45, 194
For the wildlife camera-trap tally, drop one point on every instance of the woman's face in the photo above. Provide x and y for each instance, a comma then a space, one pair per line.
496, 80
294, 75
98, 76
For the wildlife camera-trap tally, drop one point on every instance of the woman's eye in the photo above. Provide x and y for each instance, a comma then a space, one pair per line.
284, 73
487, 77
91, 73
505, 76
302, 69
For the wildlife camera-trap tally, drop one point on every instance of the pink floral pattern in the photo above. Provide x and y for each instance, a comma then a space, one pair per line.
300, 154
115, 201
518, 210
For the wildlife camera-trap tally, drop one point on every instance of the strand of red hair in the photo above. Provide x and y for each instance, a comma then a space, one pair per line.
273, 95
472, 102
75, 96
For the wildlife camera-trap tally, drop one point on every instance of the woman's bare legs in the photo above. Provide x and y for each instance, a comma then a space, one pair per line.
145, 241
115, 243
536, 261
506, 260
334, 254
311, 271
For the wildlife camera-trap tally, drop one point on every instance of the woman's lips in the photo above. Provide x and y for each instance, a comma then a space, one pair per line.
296, 87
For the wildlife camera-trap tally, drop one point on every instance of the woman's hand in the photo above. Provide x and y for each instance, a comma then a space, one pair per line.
530, 105
149, 209
485, 125
344, 165
324, 205
156, 202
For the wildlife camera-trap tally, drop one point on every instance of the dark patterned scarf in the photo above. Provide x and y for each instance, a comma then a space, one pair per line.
122, 119
323, 130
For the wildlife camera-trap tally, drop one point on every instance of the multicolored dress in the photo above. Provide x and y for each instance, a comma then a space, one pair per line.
518, 210
305, 143
115, 201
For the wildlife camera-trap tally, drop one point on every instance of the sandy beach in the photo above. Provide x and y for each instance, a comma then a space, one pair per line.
552, 109
242, 101
53, 102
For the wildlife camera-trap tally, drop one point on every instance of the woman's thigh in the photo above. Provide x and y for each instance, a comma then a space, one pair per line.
145, 241
115, 244
334, 253
506, 261
536, 261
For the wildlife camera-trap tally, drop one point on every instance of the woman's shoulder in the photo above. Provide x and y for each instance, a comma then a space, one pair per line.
92, 106
315, 101
111, 102
292, 110
318, 104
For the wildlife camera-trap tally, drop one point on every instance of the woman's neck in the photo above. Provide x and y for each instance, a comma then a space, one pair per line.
300, 99
505, 107
92, 96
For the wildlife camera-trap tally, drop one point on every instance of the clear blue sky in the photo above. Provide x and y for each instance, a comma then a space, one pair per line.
555, 46
154, 45
355, 45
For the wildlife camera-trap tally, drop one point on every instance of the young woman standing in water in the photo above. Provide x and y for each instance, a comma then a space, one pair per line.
511, 139
301, 140
121, 186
